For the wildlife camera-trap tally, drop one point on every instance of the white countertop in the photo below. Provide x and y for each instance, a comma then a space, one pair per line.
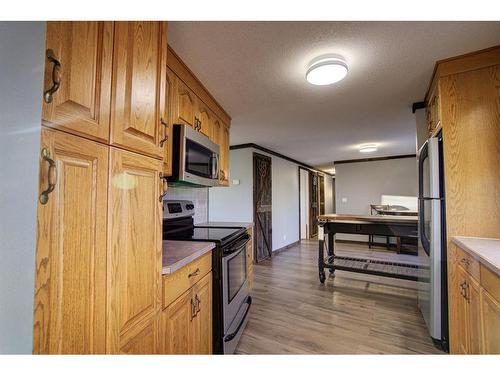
485, 250
177, 254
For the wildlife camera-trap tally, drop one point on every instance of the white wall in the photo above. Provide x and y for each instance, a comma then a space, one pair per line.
21, 79
235, 203
363, 183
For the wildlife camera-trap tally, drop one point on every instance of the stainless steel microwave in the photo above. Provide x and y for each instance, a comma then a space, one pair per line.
195, 158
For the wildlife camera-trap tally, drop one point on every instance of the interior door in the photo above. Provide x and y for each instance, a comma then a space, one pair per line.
262, 198
313, 204
321, 199
77, 86
70, 280
139, 71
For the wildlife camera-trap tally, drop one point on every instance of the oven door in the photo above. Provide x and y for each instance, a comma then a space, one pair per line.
234, 281
197, 159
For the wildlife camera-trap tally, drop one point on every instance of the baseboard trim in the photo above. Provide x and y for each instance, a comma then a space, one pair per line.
286, 247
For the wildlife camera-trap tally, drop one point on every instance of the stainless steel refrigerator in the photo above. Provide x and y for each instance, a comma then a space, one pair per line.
432, 292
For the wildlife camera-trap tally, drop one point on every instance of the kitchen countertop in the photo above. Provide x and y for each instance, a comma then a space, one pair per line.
484, 250
177, 254
227, 224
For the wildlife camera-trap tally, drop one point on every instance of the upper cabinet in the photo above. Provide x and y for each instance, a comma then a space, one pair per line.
138, 87
77, 86
193, 105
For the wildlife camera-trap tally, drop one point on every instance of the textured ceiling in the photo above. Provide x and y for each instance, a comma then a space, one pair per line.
256, 70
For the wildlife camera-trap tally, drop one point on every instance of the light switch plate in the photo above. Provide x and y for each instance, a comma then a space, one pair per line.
236, 182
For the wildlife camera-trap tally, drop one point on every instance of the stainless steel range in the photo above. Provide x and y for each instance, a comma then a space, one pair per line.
231, 299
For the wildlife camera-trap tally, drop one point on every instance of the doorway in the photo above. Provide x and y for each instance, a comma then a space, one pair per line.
262, 199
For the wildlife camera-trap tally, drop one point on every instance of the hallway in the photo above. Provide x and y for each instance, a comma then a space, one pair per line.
292, 313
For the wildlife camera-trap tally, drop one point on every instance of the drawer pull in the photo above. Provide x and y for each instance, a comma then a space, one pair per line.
195, 273
465, 262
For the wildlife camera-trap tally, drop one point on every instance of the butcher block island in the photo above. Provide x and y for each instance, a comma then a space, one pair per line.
394, 226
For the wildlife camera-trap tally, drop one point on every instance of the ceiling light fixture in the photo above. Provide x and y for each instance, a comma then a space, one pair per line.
370, 147
326, 71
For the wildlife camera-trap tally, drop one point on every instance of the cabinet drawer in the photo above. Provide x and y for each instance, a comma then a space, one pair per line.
491, 282
177, 283
469, 264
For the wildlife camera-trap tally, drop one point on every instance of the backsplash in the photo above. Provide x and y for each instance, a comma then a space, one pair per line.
199, 196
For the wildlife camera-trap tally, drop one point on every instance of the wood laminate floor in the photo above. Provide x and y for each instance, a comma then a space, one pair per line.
292, 313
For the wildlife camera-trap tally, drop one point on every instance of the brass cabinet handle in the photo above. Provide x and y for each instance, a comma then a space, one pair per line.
164, 186
198, 301
165, 124
51, 177
193, 309
465, 261
56, 76
195, 273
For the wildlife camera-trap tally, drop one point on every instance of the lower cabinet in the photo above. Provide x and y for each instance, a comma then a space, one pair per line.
186, 324
477, 308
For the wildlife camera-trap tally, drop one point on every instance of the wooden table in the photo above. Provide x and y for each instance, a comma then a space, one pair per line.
394, 226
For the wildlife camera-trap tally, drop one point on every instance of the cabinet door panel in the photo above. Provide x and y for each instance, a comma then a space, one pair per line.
81, 105
202, 332
473, 298
205, 119
138, 71
491, 323
224, 155
185, 104
177, 326
70, 290
462, 313
144, 342
170, 102
134, 219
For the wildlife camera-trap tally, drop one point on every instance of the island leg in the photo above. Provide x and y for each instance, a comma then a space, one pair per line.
331, 250
321, 262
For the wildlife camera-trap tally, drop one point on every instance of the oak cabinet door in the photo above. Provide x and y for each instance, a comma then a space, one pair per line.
491, 323
224, 155
204, 119
474, 316
176, 332
139, 68
81, 62
186, 102
202, 322
462, 312
70, 286
170, 102
134, 237
143, 342
216, 130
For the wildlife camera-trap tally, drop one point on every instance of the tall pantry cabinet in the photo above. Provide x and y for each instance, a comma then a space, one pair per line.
98, 262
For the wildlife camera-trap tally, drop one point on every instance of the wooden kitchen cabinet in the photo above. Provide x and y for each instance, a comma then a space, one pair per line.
224, 155
187, 322
77, 83
135, 248
433, 112
477, 310
204, 118
70, 280
185, 104
138, 87
168, 121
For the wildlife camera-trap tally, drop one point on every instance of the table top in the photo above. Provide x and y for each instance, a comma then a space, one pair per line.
397, 219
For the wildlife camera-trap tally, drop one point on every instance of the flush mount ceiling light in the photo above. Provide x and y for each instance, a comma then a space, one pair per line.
326, 71
369, 147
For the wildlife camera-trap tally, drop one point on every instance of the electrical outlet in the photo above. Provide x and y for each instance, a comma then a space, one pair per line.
344, 200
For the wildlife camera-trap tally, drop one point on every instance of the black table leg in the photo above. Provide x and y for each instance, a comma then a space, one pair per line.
331, 249
321, 262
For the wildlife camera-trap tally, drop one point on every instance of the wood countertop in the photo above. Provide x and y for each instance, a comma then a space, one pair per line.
177, 254
369, 218
484, 250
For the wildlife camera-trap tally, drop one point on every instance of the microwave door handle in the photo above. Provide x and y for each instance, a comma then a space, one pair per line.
215, 167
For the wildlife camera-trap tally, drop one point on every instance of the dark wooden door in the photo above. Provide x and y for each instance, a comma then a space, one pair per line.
313, 204
262, 200
321, 197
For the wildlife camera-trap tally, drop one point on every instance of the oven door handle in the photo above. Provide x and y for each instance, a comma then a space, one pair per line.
241, 243
231, 336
